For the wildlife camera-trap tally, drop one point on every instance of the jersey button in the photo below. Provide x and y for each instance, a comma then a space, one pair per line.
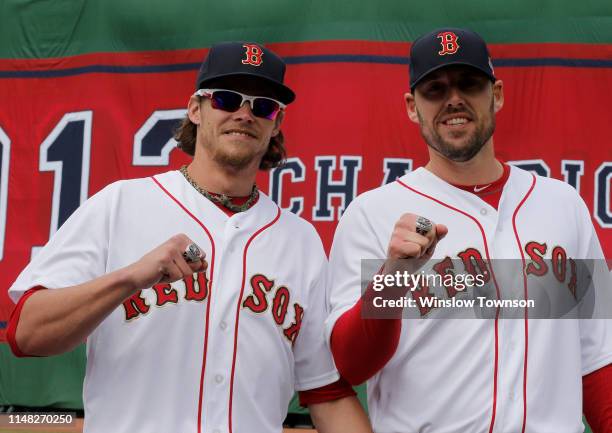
223, 325
483, 211
218, 378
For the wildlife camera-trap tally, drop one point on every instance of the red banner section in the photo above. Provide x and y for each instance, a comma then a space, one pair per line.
68, 127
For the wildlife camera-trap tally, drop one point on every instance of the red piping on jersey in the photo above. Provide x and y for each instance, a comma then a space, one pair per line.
244, 254
484, 238
518, 241
210, 286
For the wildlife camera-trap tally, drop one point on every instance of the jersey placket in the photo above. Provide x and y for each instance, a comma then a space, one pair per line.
222, 327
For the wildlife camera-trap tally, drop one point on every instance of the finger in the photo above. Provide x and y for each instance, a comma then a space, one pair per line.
198, 266
203, 266
422, 241
441, 231
184, 267
405, 248
164, 275
174, 273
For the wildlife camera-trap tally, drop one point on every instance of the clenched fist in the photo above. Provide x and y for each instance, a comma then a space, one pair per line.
413, 237
169, 262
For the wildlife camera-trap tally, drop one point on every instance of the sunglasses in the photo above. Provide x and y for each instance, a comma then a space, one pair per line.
231, 101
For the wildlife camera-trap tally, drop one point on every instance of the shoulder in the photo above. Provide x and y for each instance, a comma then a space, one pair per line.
292, 223
140, 187
385, 199
553, 189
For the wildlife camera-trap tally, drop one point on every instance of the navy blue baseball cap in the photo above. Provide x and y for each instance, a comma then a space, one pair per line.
448, 46
245, 59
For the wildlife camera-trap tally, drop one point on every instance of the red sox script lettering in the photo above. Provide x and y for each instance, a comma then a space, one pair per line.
257, 302
473, 264
563, 268
448, 40
558, 262
196, 289
253, 55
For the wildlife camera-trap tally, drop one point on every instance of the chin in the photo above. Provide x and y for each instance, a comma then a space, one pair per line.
236, 160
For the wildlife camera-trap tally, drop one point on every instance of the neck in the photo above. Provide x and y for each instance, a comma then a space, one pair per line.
481, 169
222, 180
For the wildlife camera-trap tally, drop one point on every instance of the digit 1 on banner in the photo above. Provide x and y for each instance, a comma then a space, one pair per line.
5, 152
66, 152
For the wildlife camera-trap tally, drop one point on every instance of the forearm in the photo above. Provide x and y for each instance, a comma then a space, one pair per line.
597, 396
340, 416
361, 347
55, 321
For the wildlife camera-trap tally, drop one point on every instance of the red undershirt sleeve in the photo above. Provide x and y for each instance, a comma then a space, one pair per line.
11, 329
334, 391
362, 346
597, 399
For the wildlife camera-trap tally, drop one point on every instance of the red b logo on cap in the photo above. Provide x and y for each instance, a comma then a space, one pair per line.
253, 55
448, 40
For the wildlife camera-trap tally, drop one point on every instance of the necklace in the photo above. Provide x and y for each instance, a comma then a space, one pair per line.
222, 199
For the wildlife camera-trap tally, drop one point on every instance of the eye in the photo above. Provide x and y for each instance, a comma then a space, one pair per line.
471, 83
433, 89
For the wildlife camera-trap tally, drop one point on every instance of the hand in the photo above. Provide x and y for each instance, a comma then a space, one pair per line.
165, 264
406, 243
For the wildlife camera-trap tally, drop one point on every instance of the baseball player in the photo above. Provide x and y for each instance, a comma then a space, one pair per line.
461, 211
201, 301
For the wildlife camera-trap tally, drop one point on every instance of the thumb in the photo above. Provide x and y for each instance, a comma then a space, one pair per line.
441, 231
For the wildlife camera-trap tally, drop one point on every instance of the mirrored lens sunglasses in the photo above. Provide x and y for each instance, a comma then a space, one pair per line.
231, 101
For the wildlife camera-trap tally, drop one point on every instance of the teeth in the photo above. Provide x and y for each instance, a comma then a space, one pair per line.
244, 134
456, 121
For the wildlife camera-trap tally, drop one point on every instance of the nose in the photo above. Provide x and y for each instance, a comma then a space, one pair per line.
455, 97
244, 113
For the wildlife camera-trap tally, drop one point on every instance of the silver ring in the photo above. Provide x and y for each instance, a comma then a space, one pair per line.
192, 253
423, 225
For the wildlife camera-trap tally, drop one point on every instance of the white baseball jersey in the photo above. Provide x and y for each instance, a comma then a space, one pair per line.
469, 374
221, 352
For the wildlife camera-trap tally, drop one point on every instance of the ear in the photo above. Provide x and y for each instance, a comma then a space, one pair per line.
498, 95
277, 123
411, 107
193, 109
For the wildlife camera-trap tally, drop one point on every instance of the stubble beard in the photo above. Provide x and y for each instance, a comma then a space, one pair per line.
237, 161
463, 153
231, 155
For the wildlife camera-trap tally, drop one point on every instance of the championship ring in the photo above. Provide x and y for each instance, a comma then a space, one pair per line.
192, 253
423, 225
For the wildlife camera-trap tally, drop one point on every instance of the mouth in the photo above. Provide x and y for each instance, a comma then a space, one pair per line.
239, 133
456, 120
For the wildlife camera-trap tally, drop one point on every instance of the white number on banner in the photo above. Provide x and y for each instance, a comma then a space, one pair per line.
5, 152
154, 141
66, 152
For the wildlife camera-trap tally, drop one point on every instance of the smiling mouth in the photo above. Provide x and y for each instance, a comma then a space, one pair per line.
239, 133
456, 121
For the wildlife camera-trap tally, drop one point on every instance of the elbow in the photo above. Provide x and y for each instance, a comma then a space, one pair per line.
20, 341
30, 341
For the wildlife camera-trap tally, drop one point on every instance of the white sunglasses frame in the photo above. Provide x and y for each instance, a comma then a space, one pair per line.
245, 98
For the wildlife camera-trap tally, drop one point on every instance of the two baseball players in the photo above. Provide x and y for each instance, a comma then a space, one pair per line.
201, 301
464, 373
206, 332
